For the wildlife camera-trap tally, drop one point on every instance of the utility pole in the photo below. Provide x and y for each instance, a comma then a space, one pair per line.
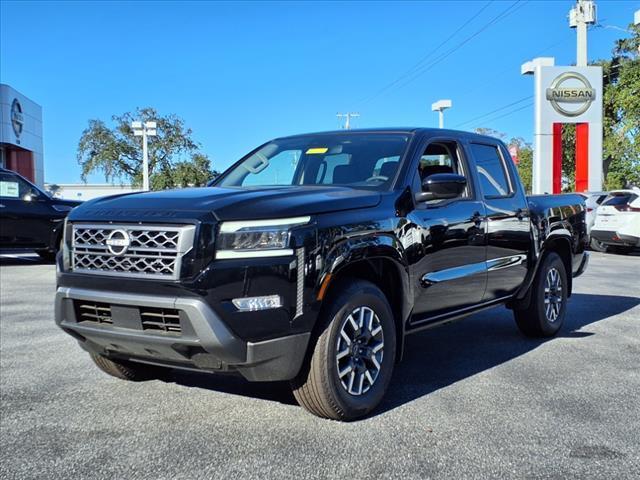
583, 14
348, 116
144, 130
440, 106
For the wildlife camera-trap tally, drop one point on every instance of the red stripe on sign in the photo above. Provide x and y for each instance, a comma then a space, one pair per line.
557, 158
582, 157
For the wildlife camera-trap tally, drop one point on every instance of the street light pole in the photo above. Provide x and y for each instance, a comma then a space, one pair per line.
144, 130
440, 106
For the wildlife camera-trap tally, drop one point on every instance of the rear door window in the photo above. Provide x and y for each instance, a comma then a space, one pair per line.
491, 171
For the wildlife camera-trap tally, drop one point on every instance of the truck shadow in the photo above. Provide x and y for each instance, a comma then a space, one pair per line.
440, 357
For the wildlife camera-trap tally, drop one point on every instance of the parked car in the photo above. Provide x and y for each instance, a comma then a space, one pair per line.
29, 217
617, 223
592, 201
312, 258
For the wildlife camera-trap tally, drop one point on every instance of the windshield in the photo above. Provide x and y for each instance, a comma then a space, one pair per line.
364, 160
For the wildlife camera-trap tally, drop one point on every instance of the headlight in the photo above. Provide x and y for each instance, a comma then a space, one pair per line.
66, 242
257, 238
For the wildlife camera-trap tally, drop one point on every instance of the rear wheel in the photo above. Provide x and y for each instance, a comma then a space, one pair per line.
128, 370
547, 310
352, 361
598, 246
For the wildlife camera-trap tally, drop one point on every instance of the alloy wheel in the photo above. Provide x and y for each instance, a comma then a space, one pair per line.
553, 295
360, 348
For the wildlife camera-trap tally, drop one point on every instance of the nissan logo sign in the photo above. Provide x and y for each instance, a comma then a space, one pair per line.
118, 242
17, 119
561, 96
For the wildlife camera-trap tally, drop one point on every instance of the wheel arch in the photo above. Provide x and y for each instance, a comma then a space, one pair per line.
389, 274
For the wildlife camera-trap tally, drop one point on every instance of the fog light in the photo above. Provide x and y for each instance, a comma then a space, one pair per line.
251, 304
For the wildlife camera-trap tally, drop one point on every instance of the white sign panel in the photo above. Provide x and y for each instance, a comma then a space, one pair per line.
570, 95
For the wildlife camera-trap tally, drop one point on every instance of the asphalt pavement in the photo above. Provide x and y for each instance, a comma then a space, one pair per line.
473, 399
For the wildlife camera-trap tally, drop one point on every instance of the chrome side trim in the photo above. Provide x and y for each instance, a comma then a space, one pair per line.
454, 273
505, 262
462, 271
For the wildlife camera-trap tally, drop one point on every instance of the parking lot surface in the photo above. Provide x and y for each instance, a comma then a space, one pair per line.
473, 399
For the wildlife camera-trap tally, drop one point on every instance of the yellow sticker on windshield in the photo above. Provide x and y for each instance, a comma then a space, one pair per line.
317, 150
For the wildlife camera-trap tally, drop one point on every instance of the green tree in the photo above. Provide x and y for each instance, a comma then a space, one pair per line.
621, 103
174, 157
194, 173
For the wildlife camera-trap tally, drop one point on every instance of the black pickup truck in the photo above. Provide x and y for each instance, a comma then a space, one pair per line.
313, 257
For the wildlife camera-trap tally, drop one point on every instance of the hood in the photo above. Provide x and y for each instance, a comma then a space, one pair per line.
69, 203
228, 203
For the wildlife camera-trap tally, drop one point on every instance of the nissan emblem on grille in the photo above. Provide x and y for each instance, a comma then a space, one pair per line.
143, 251
118, 242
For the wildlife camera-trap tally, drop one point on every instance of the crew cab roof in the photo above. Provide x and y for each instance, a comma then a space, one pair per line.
399, 130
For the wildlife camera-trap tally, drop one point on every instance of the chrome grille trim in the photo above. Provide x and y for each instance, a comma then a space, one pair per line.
154, 251
300, 282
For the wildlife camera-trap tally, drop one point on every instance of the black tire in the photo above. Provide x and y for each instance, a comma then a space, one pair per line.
318, 387
598, 246
542, 319
131, 371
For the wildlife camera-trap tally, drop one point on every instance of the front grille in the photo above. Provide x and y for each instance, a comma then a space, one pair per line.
94, 312
145, 251
161, 319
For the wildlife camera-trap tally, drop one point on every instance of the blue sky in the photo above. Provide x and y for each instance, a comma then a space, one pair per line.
242, 73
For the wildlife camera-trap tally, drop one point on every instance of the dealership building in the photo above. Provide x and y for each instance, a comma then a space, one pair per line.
21, 135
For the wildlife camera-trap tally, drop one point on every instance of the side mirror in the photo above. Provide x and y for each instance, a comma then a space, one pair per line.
31, 196
441, 186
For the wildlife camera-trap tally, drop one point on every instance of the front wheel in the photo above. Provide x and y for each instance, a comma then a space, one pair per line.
352, 360
547, 310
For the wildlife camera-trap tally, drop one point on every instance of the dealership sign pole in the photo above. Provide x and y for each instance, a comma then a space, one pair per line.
568, 95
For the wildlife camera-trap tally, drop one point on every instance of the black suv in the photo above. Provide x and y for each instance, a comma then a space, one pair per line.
29, 217
313, 257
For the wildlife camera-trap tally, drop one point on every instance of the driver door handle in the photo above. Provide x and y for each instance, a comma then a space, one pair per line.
477, 219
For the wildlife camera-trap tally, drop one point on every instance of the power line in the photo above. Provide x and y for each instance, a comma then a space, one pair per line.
427, 56
494, 111
504, 14
425, 68
540, 52
529, 105
508, 69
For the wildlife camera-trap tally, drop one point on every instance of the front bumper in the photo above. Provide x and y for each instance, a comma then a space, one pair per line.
204, 342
